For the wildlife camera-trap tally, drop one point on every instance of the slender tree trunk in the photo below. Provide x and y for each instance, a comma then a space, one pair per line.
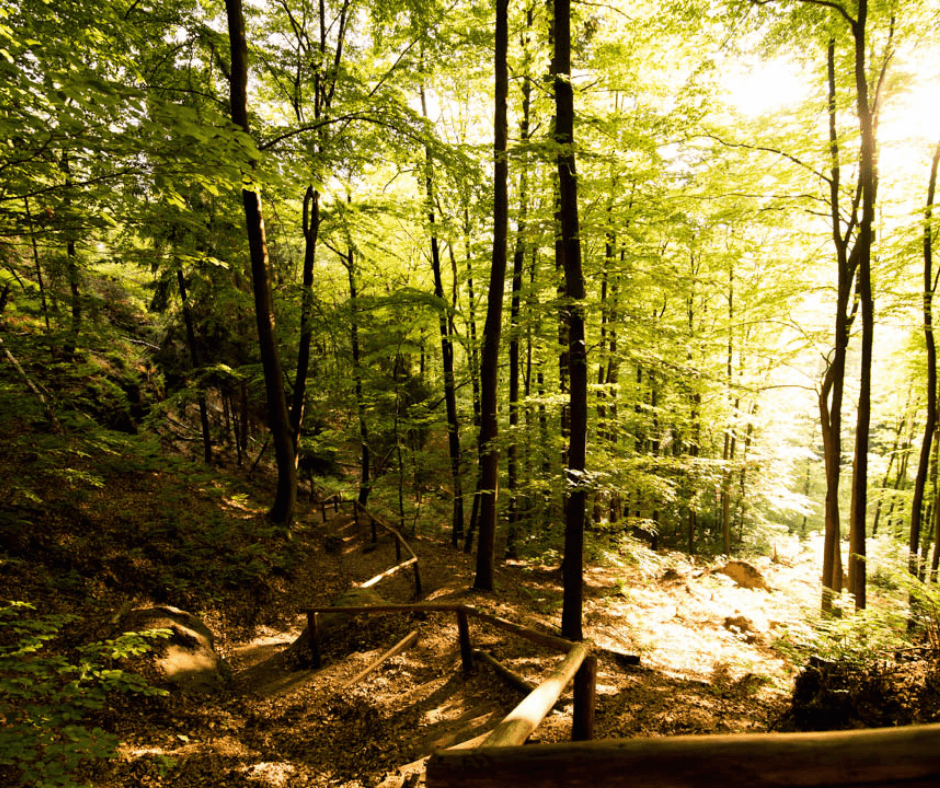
577, 350
447, 356
868, 177
887, 475
39, 277
930, 425
194, 358
278, 419
365, 456
832, 388
518, 265
311, 230
71, 267
489, 368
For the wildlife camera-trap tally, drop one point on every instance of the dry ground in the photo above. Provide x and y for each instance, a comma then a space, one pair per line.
274, 727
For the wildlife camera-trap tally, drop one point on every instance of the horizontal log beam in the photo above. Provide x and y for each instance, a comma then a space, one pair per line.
416, 607
884, 758
543, 639
405, 643
506, 673
526, 717
388, 573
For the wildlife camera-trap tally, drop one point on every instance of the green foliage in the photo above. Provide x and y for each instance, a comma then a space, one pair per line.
47, 696
851, 636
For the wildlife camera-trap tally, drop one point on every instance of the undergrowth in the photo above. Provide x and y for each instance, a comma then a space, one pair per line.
49, 692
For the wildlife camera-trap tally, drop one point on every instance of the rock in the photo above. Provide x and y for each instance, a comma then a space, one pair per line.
744, 574
741, 626
188, 658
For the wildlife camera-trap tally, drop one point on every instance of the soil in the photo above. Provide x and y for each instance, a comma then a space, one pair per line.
709, 650
278, 727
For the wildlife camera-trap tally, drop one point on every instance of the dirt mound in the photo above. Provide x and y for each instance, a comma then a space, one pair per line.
744, 574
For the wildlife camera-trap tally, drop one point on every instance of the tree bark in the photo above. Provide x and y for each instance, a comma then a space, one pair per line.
447, 356
868, 179
577, 351
278, 419
930, 425
365, 465
194, 359
832, 388
518, 264
489, 367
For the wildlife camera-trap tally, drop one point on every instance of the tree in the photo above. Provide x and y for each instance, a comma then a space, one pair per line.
492, 328
930, 423
576, 488
278, 419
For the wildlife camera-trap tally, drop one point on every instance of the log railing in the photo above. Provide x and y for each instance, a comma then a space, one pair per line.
885, 758
400, 545
578, 664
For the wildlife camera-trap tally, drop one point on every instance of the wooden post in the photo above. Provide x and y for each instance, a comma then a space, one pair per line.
463, 633
417, 580
314, 639
585, 684
397, 549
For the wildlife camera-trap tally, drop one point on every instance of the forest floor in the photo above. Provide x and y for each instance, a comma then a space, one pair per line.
278, 727
143, 533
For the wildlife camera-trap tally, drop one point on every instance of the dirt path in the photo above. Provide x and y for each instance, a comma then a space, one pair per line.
278, 727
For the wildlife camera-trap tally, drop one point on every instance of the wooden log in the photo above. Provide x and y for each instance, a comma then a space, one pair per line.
463, 635
506, 673
525, 718
543, 639
405, 643
884, 758
415, 607
388, 573
585, 686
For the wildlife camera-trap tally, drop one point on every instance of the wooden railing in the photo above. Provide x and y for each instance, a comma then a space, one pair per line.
579, 664
400, 545
884, 758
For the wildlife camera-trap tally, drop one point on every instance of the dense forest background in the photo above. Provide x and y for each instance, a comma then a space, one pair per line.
532, 281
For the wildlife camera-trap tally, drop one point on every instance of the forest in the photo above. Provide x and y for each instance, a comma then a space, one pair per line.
587, 311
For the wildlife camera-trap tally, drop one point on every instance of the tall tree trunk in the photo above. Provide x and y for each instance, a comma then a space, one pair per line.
574, 293
324, 86
447, 355
365, 456
930, 425
833, 384
71, 266
39, 277
311, 230
489, 367
278, 420
868, 179
518, 264
194, 358
892, 456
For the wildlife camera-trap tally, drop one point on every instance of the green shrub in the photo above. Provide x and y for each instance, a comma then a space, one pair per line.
46, 695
